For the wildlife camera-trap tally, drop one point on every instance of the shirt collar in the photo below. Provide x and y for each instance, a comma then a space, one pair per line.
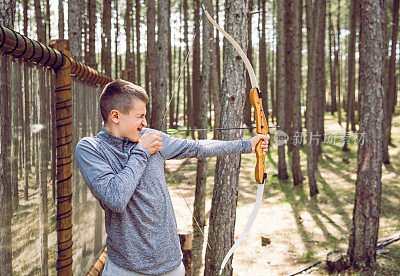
121, 143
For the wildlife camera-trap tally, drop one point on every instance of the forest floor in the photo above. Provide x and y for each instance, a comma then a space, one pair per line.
302, 230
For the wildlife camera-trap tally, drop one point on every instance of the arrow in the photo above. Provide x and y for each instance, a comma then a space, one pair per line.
171, 130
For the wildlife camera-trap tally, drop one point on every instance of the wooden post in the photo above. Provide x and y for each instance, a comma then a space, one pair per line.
63, 99
185, 238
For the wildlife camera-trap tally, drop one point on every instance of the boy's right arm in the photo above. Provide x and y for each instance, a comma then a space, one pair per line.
112, 189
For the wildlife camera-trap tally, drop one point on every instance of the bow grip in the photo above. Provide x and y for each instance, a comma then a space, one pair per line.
261, 128
260, 171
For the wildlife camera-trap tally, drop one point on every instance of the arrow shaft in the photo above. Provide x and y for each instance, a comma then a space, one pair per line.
207, 129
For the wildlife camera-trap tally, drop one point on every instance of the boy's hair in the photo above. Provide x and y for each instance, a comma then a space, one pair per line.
120, 95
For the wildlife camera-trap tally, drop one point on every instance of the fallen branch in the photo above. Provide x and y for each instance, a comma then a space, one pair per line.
305, 269
388, 240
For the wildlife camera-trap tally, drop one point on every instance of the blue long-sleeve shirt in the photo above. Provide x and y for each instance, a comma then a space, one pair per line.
130, 185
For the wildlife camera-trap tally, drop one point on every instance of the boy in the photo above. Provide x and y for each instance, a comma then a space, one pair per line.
123, 165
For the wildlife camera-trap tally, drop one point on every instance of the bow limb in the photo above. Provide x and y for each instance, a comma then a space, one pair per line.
262, 128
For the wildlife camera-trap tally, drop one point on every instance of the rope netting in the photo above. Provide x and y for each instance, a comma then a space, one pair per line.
50, 221
88, 220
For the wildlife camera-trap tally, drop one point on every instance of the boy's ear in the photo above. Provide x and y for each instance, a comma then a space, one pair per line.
114, 116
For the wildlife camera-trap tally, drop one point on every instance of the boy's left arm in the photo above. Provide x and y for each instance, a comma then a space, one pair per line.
177, 148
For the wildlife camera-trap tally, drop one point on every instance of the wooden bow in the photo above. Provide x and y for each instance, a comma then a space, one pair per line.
262, 128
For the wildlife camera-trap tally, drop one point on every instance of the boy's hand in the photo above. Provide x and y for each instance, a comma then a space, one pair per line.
152, 141
257, 138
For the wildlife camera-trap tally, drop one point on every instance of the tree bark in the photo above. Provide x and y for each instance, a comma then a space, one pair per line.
294, 57
390, 95
60, 18
7, 10
217, 74
75, 28
281, 85
40, 26
159, 99
171, 101
351, 83
312, 13
27, 133
263, 61
42, 168
364, 236
151, 48
92, 33
320, 77
338, 67
196, 62
201, 178
289, 95
189, 101
138, 64
247, 105
128, 41
116, 42
222, 224
333, 107
105, 38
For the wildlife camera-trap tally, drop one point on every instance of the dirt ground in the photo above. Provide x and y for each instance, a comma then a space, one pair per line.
302, 230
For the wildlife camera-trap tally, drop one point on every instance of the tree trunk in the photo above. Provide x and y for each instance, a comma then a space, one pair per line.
42, 169
247, 104
338, 67
263, 61
289, 93
116, 42
151, 49
40, 26
171, 101
196, 63
201, 178
27, 140
271, 69
5, 156
7, 10
75, 28
92, 33
105, 38
312, 13
48, 29
333, 107
281, 85
320, 77
390, 95
17, 141
363, 239
294, 57
158, 110
60, 18
128, 41
222, 224
217, 76
138, 65
41, 164
189, 102
351, 83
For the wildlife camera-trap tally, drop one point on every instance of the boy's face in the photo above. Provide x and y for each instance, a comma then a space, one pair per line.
131, 124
